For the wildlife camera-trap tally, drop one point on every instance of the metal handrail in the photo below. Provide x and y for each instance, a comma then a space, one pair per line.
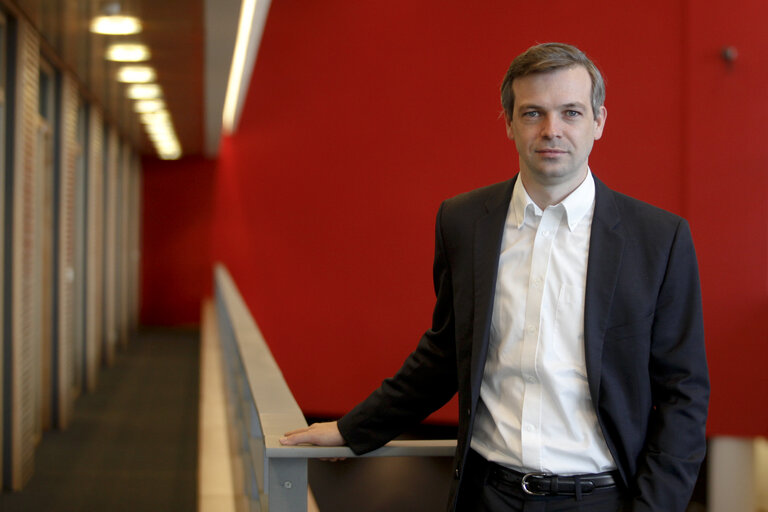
263, 409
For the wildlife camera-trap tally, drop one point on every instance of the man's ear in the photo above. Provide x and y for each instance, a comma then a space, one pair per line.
600, 118
508, 125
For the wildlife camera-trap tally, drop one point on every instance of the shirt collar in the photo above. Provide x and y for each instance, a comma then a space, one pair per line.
576, 205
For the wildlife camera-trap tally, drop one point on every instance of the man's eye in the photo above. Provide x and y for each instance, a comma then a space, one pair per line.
572, 113
531, 113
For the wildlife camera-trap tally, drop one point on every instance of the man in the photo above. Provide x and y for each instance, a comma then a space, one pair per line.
568, 318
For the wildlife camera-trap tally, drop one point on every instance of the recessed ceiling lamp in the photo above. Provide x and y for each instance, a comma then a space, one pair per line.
114, 22
144, 91
127, 52
148, 106
171, 152
159, 128
160, 131
116, 25
136, 74
159, 118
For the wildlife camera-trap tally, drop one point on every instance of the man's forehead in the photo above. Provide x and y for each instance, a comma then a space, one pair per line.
573, 84
576, 73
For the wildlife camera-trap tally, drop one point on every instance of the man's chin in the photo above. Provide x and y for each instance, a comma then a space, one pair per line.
555, 175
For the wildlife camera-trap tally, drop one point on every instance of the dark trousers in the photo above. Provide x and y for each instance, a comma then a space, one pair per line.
481, 492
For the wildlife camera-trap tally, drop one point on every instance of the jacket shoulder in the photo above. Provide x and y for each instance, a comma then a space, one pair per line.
640, 213
480, 199
635, 209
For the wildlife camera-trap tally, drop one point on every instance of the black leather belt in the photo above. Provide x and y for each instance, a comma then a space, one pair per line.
545, 484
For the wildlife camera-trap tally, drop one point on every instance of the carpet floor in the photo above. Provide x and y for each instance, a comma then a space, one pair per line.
132, 443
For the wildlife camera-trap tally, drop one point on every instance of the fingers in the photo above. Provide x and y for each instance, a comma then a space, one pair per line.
320, 434
297, 437
294, 432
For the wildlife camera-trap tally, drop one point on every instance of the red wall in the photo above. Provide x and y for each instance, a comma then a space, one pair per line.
177, 218
362, 117
727, 196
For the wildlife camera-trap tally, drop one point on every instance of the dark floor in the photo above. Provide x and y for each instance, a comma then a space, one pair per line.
132, 444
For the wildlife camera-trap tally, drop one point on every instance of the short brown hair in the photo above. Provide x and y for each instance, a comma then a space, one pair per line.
547, 57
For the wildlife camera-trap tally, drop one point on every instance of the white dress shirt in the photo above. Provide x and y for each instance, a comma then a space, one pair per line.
535, 411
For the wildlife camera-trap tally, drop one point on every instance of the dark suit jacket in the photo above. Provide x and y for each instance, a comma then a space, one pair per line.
643, 335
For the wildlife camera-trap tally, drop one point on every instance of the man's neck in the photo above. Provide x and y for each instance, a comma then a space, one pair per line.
548, 194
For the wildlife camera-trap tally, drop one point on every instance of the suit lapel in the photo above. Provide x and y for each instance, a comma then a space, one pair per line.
605, 252
488, 233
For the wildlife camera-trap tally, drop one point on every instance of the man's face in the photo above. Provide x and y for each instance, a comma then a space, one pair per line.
553, 126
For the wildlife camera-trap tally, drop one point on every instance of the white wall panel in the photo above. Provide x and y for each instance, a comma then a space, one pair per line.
26, 262
66, 251
110, 244
94, 256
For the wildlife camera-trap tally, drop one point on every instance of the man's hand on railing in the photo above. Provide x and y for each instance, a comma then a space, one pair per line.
320, 434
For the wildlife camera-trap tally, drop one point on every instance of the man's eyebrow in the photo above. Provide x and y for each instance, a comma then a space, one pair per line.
535, 106
525, 106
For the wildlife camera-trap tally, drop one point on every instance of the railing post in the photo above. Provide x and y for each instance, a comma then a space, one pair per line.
287, 487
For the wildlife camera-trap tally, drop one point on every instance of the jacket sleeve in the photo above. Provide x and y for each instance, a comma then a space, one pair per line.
675, 442
425, 382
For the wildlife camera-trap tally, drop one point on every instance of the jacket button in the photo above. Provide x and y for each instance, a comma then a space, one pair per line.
456, 474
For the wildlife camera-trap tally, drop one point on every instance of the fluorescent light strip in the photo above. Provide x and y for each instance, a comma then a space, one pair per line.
247, 9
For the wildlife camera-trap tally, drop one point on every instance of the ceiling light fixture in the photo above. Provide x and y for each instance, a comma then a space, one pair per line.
114, 22
127, 52
158, 118
160, 132
116, 25
136, 74
144, 91
170, 153
148, 106
164, 139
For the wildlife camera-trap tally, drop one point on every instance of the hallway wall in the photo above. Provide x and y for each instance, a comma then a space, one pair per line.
361, 118
727, 204
177, 219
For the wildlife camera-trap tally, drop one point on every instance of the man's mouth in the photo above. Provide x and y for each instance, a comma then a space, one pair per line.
551, 152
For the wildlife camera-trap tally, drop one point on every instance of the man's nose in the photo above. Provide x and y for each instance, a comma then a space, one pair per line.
550, 127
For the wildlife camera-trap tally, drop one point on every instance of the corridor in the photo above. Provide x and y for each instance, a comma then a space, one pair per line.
132, 444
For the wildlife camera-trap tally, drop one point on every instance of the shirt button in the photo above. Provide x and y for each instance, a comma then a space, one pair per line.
538, 282
531, 328
530, 428
531, 379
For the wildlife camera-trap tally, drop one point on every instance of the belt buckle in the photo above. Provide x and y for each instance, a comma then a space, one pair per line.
524, 483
